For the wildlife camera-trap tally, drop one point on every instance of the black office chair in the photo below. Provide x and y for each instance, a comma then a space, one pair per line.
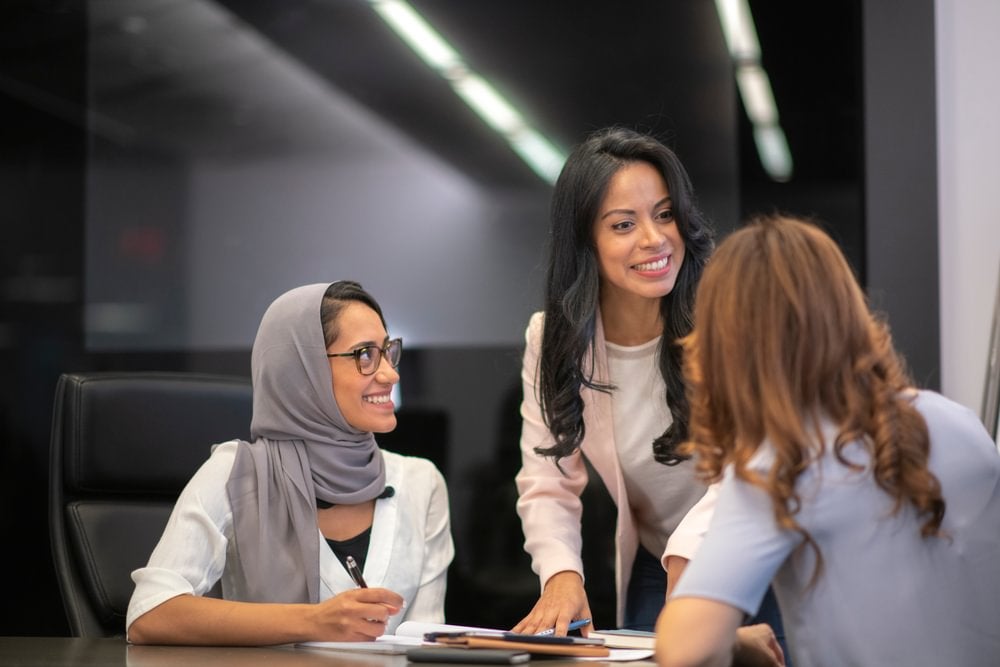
123, 445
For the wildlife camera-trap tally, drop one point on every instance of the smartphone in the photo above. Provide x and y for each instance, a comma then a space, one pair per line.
489, 656
549, 639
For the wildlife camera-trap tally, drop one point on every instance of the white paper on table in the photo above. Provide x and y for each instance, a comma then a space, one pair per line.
408, 635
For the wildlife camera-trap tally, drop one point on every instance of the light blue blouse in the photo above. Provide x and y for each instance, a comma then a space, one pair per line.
886, 596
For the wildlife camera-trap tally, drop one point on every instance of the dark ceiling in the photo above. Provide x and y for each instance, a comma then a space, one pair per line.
573, 66
570, 65
812, 53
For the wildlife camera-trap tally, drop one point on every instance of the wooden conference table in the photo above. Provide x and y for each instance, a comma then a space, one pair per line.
62, 651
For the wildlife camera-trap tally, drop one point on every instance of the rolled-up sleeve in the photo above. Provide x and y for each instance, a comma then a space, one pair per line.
191, 554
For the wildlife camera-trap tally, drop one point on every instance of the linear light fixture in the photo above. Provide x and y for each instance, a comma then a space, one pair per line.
755, 88
479, 94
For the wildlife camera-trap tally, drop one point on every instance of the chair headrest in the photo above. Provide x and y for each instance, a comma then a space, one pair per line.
134, 431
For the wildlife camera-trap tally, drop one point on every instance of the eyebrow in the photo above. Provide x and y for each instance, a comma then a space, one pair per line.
369, 343
628, 211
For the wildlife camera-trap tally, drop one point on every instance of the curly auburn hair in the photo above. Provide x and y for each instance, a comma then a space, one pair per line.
783, 338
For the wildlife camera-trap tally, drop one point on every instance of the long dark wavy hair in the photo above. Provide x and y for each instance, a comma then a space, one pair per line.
573, 285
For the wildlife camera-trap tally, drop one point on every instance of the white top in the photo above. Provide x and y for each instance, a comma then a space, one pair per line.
409, 551
886, 596
549, 496
660, 496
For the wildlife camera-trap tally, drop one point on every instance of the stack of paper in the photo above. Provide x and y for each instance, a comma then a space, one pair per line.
407, 635
626, 638
473, 644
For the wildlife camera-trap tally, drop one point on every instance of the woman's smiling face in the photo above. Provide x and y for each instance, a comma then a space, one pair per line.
639, 247
364, 400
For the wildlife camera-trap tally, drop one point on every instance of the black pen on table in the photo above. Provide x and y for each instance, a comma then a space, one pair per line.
355, 572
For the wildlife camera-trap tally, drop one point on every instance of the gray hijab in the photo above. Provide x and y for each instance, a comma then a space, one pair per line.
302, 450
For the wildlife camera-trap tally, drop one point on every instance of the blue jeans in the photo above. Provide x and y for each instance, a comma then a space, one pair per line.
648, 588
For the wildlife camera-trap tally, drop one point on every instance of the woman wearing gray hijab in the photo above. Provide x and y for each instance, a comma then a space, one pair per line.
277, 519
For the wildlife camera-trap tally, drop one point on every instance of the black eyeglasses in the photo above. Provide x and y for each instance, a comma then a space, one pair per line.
367, 358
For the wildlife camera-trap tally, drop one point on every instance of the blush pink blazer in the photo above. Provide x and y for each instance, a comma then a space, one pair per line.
549, 502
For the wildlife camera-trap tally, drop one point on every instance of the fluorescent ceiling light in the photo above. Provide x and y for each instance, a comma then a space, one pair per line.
738, 26
755, 88
772, 147
544, 158
481, 96
488, 103
415, 31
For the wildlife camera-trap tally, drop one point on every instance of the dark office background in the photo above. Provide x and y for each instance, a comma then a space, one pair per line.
127, 178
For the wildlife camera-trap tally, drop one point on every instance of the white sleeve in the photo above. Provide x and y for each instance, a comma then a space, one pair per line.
191, 553
690, 532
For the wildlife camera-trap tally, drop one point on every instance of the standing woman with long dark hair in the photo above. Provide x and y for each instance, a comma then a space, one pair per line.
602, 377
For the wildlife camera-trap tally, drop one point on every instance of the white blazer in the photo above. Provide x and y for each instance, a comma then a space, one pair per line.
409, 552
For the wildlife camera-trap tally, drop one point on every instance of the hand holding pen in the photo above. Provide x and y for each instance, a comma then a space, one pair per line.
359, 580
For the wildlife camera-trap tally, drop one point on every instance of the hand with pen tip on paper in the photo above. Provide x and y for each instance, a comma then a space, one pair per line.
359, 614
352, 568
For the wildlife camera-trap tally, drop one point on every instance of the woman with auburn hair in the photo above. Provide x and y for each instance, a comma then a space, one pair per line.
873, 507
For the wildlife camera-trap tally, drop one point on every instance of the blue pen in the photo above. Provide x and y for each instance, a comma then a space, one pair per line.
573, 625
